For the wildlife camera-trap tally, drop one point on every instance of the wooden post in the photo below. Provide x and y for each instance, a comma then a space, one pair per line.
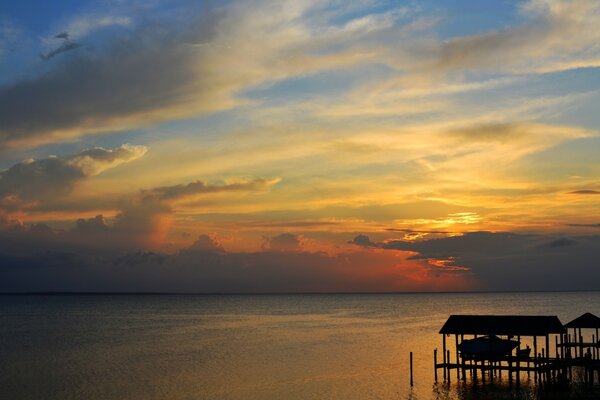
444, 354
544, 357
411, 369
462, 361
518, 362
482, 370
510, 369
535, 376
547, 346
457, 363
597, 349
435, 364
580, 344
448, 358
562, 346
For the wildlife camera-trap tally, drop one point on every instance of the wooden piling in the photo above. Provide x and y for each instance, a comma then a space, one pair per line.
411, 369
448, 358
597, 350
435, 365
456, 346
444, 354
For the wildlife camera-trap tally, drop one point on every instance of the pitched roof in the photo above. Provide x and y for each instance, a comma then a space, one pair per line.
515, 325
587, 320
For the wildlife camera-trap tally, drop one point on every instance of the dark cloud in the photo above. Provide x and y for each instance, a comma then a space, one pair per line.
363, 241
284, 242
176, 192
562, 242
510, 261
480, 242
140, 258
586, 225
60, 264
584, 191
66, 45
96, 224
139, 79
205, 243
50, 178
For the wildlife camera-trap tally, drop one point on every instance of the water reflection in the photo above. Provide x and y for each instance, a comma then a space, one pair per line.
252, 347
528, 390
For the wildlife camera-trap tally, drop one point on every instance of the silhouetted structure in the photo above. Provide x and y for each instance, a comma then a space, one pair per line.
511, 325
584, 346
496, 344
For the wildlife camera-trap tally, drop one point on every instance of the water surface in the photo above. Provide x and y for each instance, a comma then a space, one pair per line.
252, 346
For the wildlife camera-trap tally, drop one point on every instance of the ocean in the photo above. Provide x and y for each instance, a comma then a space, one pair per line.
297, 346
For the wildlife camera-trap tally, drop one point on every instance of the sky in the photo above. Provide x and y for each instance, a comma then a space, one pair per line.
299, 146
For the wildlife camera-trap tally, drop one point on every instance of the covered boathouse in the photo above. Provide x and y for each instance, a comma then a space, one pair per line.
583, 344
490, 344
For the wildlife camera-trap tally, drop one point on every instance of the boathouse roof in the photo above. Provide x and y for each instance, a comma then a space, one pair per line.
513, 325
587, 320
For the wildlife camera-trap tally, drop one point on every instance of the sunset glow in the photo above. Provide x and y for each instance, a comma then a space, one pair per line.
248, 146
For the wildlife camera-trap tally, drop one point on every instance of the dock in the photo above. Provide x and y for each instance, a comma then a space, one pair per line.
487, 347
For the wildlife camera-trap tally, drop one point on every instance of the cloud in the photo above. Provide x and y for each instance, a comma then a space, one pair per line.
205, 243
284, 242
490, 132
47, 179
182, 191
363, 241
66, 46
511, 261
585, 191
553, 31
95, 224
560, 243
144, 218
586, 225
149, 74
96, 93
58, 265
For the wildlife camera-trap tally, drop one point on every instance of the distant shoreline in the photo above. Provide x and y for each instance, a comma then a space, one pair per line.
58, 293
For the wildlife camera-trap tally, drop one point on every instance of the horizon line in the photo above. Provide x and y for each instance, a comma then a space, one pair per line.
142, 293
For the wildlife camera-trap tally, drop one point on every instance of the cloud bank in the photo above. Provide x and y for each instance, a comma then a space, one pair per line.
511, 261
62, 261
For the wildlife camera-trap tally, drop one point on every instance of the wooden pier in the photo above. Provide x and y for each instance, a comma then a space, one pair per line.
555, 356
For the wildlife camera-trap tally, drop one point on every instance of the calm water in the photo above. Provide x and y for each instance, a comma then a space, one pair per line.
251, 347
